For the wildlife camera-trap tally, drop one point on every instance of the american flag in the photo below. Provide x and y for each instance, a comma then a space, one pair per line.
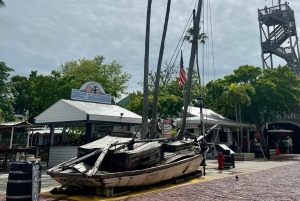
182, 76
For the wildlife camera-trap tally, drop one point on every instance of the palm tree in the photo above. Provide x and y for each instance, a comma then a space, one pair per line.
144, 130
160, 57
2, 3
201, 38
236, 94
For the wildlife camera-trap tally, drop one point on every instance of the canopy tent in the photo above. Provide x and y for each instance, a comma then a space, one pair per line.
280, 132
209, 117
13, 125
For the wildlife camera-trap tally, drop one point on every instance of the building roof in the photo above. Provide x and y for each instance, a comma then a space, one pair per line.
124, 102
209, 117
42, 130
78, 111
15, 124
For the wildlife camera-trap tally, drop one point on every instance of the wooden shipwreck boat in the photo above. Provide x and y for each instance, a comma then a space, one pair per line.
118, 162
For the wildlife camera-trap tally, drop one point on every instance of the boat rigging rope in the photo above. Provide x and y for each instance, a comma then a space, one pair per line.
188, 22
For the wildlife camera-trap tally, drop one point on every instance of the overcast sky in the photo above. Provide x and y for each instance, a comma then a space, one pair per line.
40, 35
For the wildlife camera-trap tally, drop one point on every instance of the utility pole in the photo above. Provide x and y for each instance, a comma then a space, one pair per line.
191, 64
146, 74
160, 57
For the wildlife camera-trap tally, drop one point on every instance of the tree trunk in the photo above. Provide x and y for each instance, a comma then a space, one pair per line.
160, 57
260, 129
240, 110
237, 125
144, 130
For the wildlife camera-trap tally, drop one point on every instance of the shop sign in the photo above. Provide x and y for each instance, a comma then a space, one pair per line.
168, 121
91, 92
167, 127
226, 129
192, 126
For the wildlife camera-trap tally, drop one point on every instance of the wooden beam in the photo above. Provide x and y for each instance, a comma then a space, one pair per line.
81, 158
92, 171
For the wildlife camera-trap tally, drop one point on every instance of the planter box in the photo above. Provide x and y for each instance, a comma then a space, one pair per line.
244, 156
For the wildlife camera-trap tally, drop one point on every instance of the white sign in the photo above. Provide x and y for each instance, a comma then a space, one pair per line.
226, 129
192, 126
35, 182
91, 92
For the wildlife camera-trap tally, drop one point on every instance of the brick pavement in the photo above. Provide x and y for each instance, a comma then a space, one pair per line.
276, 179
278, 183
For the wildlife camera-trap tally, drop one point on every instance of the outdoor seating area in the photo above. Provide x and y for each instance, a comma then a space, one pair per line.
14, 146
15, 155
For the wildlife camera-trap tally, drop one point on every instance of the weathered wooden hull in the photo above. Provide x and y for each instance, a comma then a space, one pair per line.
142, 177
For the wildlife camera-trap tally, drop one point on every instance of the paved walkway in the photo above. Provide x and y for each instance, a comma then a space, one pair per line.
261, 179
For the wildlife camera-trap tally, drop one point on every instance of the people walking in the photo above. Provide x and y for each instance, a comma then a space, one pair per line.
286, 145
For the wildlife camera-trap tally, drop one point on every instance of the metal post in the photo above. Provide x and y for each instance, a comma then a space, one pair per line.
266, 127
248, 141
200, 101
11, 137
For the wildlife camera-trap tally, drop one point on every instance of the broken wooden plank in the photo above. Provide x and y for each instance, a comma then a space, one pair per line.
92, 171
82, 167
66, 165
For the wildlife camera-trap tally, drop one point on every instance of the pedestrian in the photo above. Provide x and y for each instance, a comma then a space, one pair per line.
212, 149
286, 145
291, 144
245, 144
234, 145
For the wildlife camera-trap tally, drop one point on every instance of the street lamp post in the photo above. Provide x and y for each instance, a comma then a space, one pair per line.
266, 127
201, 103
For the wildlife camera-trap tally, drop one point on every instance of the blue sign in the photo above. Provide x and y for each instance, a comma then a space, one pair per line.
91, 92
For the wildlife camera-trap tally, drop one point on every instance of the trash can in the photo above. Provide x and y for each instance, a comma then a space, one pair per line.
229, 159
24, 181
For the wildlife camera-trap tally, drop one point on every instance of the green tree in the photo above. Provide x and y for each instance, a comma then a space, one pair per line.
202, 37
276, 91
236, 95
170, 97
6, 98
2, 3
108, 75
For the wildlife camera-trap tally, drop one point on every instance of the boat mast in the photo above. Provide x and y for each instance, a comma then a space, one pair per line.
160, 57
191, 65
144, 130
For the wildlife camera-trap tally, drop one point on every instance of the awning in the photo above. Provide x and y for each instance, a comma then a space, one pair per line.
280, 132
68, 111
209, 117
15, 124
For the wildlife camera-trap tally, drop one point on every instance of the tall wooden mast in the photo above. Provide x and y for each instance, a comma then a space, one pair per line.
191, 64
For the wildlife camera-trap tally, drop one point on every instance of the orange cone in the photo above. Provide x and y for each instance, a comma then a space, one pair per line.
277, 151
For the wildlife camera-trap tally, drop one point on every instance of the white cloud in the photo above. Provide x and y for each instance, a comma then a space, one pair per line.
40, 35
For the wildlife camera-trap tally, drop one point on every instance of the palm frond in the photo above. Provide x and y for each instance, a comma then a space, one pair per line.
2, 3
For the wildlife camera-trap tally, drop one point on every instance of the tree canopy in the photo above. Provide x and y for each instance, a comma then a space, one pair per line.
37, 92
108, 75
6, 97
276, 91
